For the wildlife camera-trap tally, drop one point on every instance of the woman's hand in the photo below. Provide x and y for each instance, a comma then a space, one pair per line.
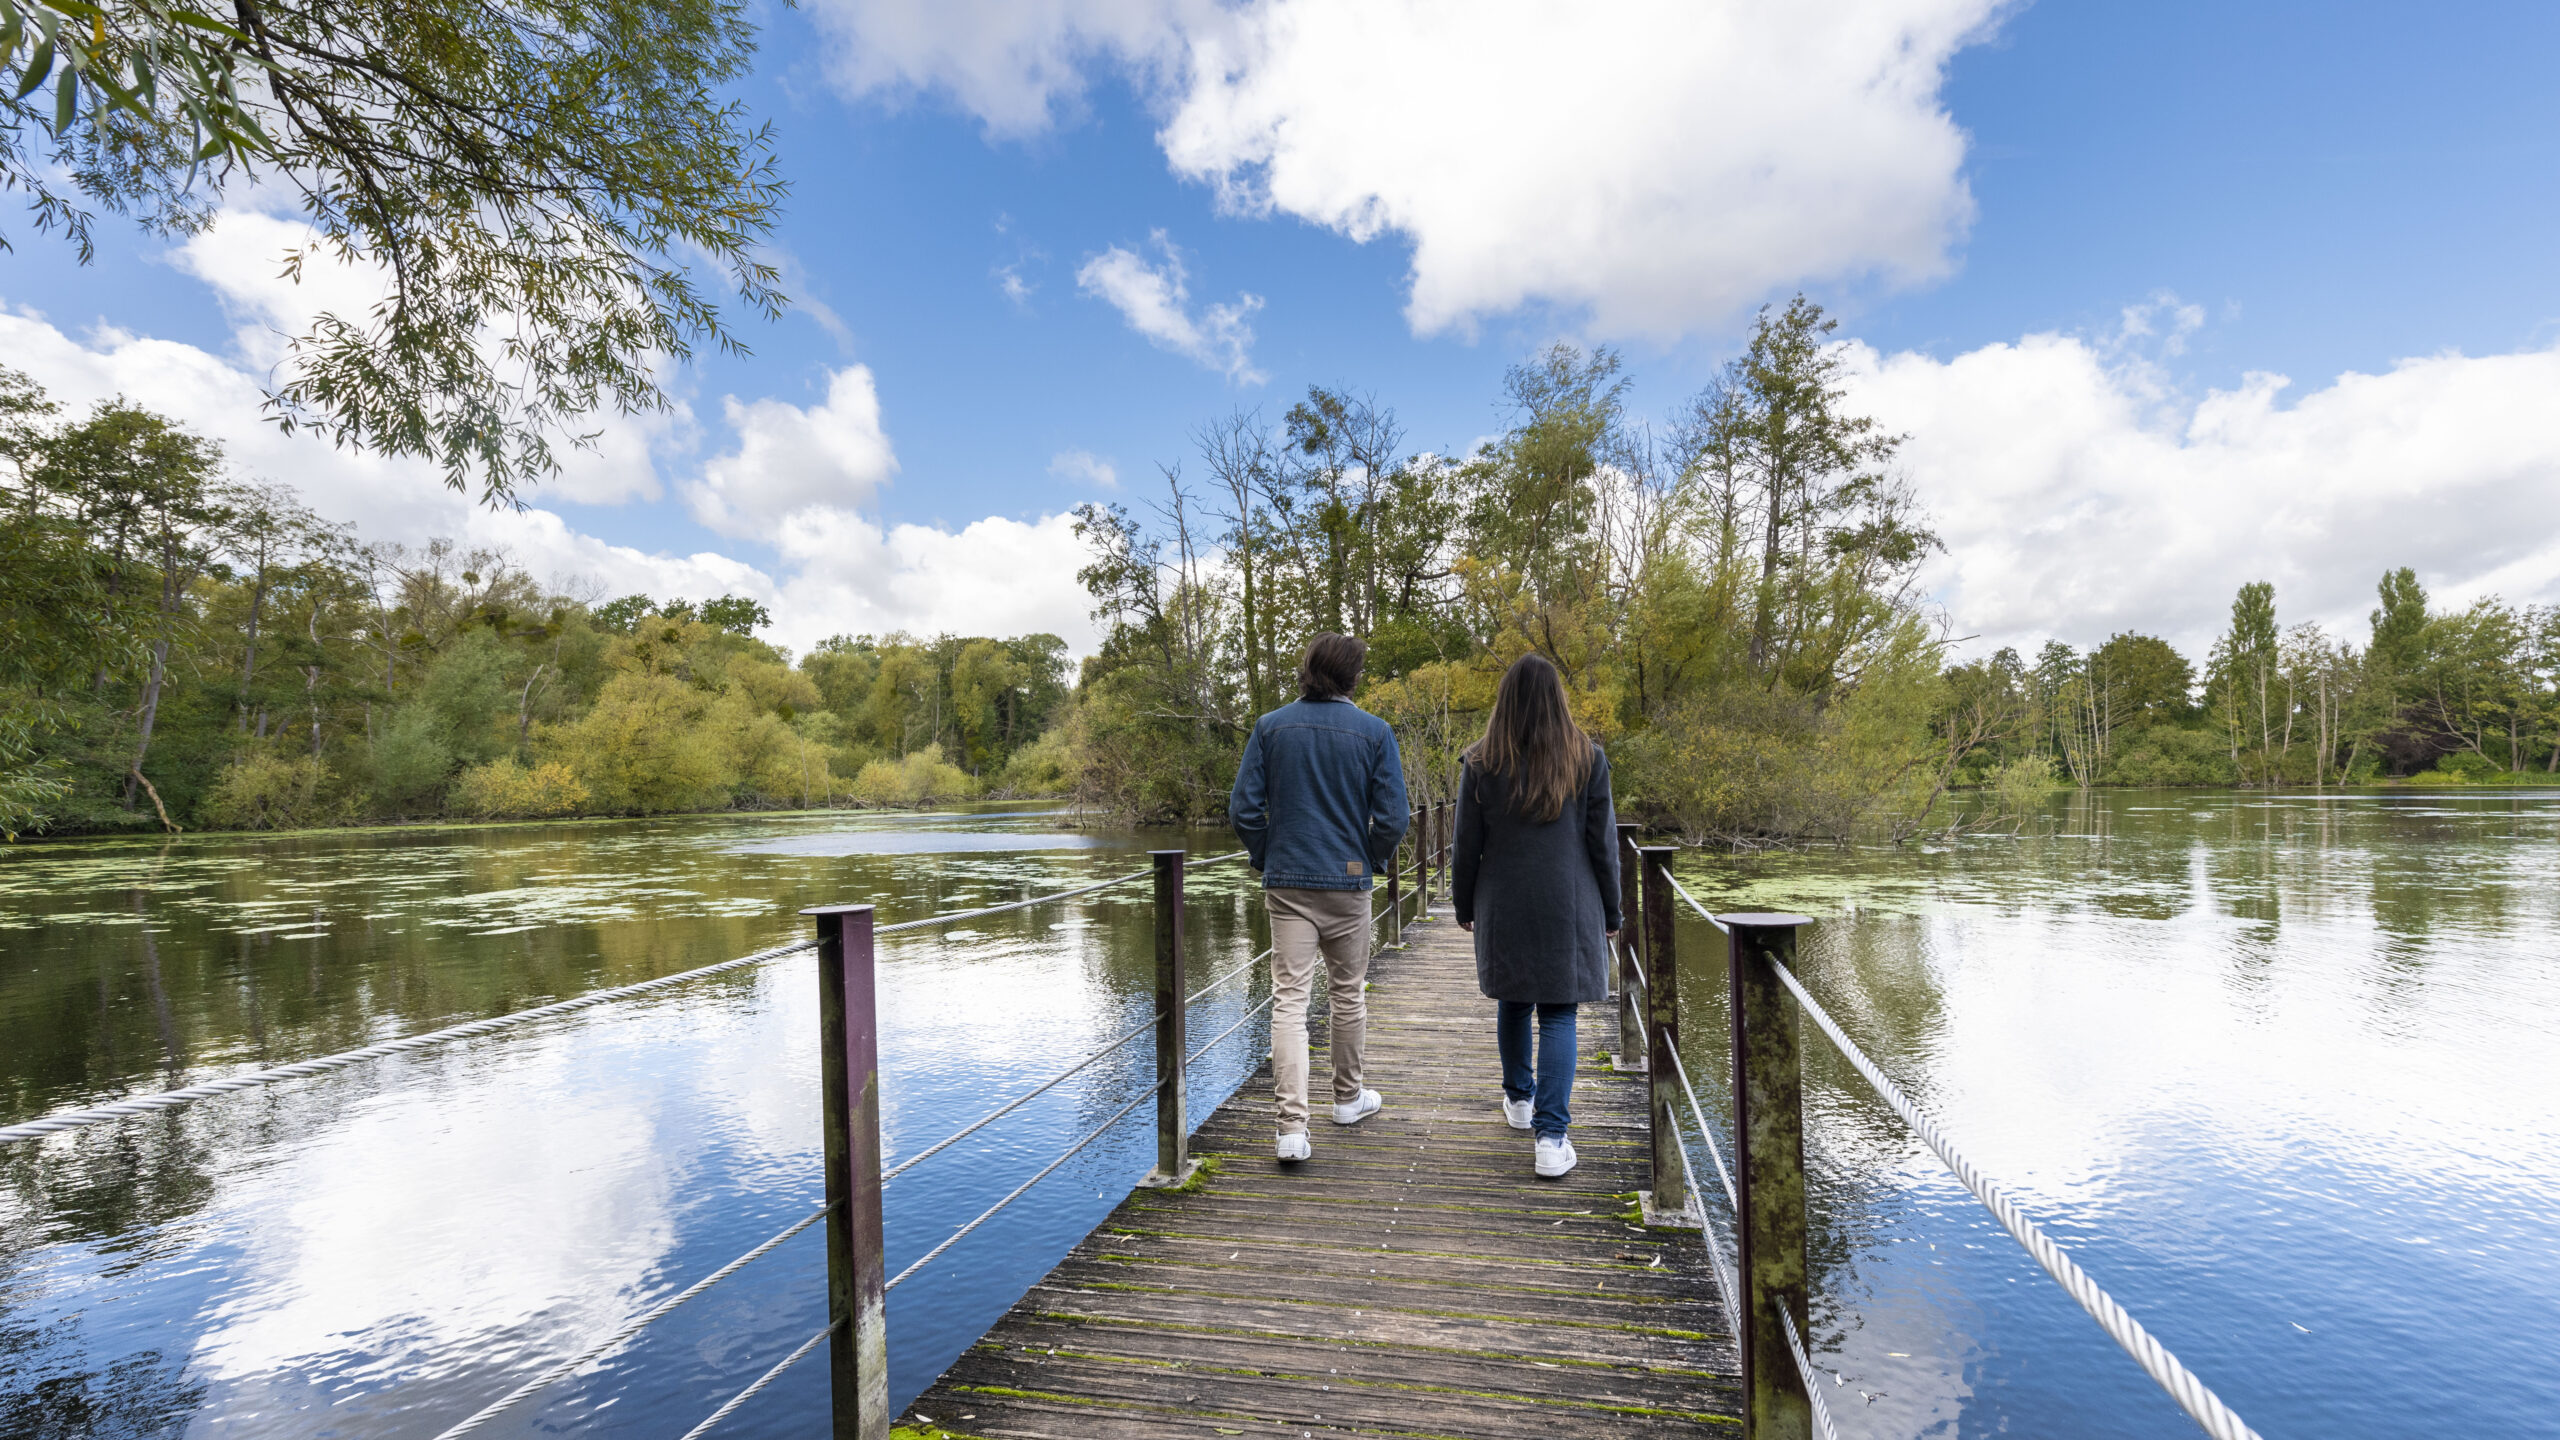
1467, 925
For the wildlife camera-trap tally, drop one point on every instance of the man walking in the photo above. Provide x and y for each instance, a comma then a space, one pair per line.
1319, 803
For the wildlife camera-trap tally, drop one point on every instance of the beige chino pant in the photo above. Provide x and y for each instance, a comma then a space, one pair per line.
1304, 924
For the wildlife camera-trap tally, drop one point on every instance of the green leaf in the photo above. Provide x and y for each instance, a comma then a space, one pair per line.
78, 9
117, 95
39, 65
206, 22
12, 30
257, 137
66, 96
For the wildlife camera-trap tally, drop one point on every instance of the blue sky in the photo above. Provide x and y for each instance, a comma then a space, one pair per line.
2175, 198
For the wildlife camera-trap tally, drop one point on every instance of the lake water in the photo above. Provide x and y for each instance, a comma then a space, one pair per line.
2283, 1072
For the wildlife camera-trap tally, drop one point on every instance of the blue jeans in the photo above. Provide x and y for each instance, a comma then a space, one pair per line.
1551, 1082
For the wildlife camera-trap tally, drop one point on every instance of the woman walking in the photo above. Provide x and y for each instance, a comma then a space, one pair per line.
1535, 880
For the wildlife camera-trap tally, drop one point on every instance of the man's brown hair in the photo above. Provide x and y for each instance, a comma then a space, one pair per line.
1331, 669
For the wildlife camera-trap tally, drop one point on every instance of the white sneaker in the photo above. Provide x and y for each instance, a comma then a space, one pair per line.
1353, 1112
1555, 1156
1516, 1112
1294, 1146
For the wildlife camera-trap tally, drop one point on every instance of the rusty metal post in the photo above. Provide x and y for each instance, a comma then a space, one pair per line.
1422, 861
1629, 959
1174, 1165
1768, 1127
1669, 1201
849, 1067
1395, 893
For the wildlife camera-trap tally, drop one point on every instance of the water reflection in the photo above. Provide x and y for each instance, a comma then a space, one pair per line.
381, 1250
2283, 1072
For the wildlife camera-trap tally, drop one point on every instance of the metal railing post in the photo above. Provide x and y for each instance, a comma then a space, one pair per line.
1395, 893
1174, 1165
849, 1067
1768, 1127
1669, 1201
1630, 957
1422, 859
1448, 840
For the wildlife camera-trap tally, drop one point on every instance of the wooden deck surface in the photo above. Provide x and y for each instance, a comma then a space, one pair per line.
1414, 1278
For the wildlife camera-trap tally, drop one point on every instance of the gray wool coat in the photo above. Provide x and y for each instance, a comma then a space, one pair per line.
1543, 897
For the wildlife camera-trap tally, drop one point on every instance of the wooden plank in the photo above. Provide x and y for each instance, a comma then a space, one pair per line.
1415, 1278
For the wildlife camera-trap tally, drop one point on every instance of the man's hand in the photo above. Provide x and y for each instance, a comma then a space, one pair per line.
1467, 925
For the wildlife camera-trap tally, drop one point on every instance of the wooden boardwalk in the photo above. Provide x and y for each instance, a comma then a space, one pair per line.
1415, 1278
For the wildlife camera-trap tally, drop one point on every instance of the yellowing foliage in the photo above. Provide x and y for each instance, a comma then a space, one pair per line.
505, 788
921, 777
269, 792
643, 746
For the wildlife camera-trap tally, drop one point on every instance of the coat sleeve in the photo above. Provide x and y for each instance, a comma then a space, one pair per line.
1600, 838
1466, 848
1249, 803
1389, 815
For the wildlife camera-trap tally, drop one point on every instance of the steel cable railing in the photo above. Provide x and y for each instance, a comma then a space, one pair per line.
145, 1104
1045, 1171
472, 1030
140, 1105
1212, 1042
761, 1381
1017, 1102
1811, 1377
985, 910
618, 1338
2192, 1394
1090, 1136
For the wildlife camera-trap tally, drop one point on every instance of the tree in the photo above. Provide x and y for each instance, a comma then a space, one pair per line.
736, 614
2244, 673
2151, 682
535, 183
1802, 466
162, 488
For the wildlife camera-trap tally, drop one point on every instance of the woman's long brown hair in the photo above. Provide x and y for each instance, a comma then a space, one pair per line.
1532, 742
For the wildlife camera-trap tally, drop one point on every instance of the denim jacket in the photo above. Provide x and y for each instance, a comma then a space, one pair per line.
1319, 800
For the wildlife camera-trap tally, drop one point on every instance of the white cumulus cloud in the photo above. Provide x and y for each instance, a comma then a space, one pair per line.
833, 455
840, 571
1083, 467
1155, 298
2077, 498
991, 577
1656, 166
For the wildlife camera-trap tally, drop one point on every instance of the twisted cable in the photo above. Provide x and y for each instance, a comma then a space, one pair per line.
1684, 894
2192, 1395
767, 1378
989, 1213
1230, 1030
472, 1030
1806, 1373
630, 1328
947, 1141
145, 1104
986, 910
1194, 997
